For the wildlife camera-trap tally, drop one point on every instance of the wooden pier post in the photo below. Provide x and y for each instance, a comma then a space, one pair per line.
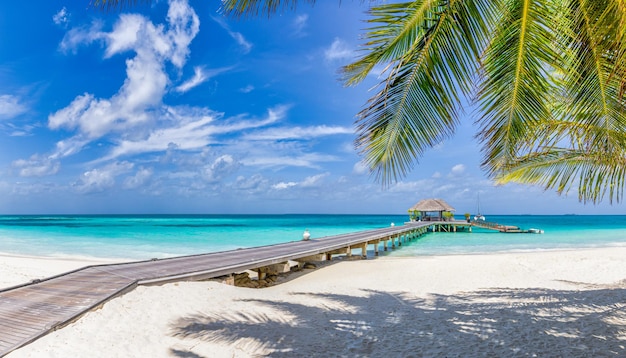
364, 250
375, 243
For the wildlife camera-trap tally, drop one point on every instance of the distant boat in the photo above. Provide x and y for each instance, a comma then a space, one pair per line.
479, 216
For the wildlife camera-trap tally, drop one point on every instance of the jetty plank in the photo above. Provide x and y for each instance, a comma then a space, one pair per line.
32, 310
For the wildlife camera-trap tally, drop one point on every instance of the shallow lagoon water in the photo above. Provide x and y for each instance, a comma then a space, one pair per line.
148, 236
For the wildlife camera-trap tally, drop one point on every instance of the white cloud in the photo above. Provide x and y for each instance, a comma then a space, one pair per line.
200, 76
246, 46
21, 132
184, 136
284, 185
220, 168
338, 50
254, 184
138, 179
299, 132
313, 181
308, 182
129, 32
360, 168
184, 25
146, 80
191, 129
436, 175
10, 106
309, 160
68, 147
36, 166
76, 37
247, 89
458, 169
418, 188
299, 24
61, 18
97, 180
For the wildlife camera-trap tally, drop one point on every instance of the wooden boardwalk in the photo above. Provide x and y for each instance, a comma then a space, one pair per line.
504, 228
30, 311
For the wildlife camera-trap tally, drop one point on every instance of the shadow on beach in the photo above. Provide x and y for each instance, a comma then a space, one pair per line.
493, 322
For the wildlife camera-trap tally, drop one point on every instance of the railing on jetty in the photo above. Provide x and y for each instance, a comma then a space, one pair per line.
30, 311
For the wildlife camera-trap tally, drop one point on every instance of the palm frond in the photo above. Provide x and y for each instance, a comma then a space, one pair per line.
515, 94
595, 174
431, 48
255, 7
589, 137
112, 4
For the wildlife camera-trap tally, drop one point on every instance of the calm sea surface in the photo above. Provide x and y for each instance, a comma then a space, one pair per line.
148, 236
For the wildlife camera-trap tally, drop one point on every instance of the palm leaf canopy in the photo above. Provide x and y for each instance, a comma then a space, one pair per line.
547, 76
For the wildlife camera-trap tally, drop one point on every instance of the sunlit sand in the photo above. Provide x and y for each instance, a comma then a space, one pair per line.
560, 303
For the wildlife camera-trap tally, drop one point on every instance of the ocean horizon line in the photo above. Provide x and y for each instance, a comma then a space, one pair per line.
286, 214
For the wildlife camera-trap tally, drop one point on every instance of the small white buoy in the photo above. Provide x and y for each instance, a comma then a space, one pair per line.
392, 224
306, 235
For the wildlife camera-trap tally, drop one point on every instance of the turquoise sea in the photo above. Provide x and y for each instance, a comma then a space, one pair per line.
150, 236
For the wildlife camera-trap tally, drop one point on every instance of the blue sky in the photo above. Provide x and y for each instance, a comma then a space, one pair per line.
173, 108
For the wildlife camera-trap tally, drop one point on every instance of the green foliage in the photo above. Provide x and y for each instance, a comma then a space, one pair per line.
256, 7
414, 215
112, 4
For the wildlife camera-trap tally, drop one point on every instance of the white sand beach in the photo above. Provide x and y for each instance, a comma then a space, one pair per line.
16, 270
550, 303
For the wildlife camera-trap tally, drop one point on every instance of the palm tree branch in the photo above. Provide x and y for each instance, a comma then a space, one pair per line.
561, 168
516, 91
241, 8
416, 106
396, 36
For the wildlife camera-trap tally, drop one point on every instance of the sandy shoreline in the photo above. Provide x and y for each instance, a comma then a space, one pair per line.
549, 303
16, 269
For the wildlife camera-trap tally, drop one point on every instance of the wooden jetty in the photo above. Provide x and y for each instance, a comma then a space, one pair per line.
503, 228
32, 310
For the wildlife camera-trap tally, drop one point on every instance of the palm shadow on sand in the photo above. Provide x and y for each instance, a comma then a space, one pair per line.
492, 322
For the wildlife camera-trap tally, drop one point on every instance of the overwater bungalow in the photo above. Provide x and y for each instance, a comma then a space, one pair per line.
431, 210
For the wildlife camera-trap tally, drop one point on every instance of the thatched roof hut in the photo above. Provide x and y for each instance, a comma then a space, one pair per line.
430, 209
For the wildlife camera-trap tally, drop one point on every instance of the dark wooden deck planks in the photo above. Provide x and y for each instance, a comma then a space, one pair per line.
31, 311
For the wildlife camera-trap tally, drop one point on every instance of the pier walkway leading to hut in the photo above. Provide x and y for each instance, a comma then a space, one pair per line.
503, 228
32, 310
